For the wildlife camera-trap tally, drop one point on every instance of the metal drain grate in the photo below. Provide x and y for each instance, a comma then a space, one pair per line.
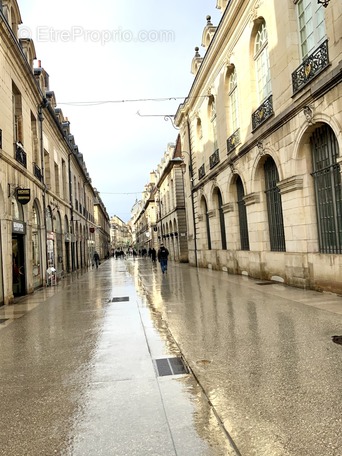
170, 366
2, 320
119, 299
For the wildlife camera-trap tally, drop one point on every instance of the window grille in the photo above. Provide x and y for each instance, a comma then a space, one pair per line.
207, 224
244, 237
222, 224
274, 207
328, 189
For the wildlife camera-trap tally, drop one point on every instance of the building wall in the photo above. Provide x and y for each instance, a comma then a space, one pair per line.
37, 153
284, 137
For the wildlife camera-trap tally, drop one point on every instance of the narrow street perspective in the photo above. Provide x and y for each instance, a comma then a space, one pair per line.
124, 360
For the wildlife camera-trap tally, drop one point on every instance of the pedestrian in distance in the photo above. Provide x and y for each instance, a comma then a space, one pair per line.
96, 259
163, 254
153, 255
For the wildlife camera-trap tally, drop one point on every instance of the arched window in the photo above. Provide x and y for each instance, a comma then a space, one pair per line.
311, 25
233, 102
199, 130
213, 120
49, 219
221, 217
262, 63
328, 189
17, 210
244, 237
207, 224
274, 207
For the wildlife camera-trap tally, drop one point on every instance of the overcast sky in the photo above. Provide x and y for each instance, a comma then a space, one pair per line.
112, 50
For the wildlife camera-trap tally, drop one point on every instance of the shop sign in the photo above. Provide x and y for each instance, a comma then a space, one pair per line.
19, 227
23, 195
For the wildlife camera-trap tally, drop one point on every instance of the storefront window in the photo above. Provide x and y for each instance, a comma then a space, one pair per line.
36, 252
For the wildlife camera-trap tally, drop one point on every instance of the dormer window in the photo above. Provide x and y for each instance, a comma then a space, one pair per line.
12, 14
29, 50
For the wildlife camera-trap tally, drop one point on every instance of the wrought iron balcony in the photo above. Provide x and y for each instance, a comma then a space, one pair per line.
264, 111
311, 67
20, 154
214, 159
233, 140
37, 172
201, 172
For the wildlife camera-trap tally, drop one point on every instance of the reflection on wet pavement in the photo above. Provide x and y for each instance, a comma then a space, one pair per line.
263, 355
77, 376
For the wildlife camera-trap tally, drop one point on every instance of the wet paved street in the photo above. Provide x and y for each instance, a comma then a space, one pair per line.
78, 377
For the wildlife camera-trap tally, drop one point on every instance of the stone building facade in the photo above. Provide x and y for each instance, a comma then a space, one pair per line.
160, 216
46, 197
171, 212
120, 234
261, 131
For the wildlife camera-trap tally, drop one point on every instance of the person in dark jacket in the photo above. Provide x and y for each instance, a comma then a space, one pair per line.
163, 254
96, 259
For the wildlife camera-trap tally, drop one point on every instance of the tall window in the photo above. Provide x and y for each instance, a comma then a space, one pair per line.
233, 102
34, 139
262, 63
18, 133
207, 223
57, 188
64, 179
311, 25
328, 189
274, 207
222, 224
212, 110
244, 238
47, 171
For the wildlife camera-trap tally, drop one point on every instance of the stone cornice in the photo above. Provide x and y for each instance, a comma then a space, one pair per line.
251, 198
290, 184
229, 207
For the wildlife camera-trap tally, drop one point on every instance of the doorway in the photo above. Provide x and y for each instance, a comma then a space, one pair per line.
18, 265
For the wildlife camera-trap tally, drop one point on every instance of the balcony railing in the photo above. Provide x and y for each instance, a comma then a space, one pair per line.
201, 172
233, 140
37, 172
264, 111
20, 154
214, 159
311, 67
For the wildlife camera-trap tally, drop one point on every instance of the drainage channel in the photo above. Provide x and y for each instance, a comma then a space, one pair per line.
179, 365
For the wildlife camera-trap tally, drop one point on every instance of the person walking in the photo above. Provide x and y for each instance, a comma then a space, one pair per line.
163, 254
96, 259
153, 255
